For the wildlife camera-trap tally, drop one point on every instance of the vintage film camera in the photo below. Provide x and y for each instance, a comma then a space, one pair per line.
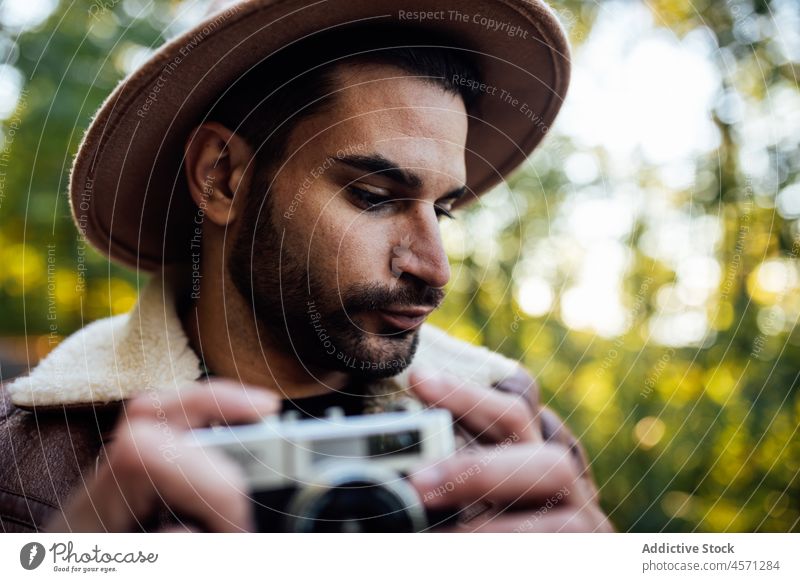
337, 473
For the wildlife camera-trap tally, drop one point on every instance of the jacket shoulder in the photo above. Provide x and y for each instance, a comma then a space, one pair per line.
78, 364
42, 457
447, 354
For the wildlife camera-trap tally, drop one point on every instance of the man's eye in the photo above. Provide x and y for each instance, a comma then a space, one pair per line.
442, 211
369, 199
373, 202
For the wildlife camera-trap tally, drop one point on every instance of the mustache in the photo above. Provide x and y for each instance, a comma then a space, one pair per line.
372, 297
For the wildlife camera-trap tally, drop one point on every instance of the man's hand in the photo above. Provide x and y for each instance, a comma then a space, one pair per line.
148, 464
537, 485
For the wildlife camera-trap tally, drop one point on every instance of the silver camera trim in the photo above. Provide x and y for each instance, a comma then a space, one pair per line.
279, 452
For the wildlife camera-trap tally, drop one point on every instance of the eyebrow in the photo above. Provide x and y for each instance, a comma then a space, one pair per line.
378, 164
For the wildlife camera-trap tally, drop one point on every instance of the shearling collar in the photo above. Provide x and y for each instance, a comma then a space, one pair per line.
146, 350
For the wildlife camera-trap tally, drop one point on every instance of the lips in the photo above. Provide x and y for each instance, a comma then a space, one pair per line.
405, 318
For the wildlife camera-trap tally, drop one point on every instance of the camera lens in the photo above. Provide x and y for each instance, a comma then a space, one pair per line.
359, 498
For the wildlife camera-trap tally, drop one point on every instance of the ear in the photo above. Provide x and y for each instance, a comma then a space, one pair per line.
218, 166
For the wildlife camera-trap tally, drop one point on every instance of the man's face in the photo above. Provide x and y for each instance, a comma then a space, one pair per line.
344, 260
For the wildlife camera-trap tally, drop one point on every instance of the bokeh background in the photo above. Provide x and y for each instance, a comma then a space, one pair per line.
643, 264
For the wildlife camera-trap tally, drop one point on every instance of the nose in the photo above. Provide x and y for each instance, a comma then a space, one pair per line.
420, 251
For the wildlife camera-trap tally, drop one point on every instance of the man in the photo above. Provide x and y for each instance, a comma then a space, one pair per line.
290, 214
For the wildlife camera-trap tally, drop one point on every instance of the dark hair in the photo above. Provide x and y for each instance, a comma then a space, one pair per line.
267, 102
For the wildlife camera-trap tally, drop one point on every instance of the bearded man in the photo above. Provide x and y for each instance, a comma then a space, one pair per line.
282, 171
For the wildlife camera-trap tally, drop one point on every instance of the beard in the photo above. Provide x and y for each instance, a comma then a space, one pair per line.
320, 324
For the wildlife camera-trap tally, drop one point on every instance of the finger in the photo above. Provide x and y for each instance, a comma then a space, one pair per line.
487, 413
209, 489
195, 483
530, 474
147, 451
201, 404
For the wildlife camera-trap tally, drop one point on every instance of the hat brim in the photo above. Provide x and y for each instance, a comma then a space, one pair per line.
127, 186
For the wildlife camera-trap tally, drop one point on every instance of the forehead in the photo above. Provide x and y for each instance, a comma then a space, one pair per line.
387, 110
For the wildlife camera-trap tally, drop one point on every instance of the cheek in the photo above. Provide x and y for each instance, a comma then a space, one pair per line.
352, 248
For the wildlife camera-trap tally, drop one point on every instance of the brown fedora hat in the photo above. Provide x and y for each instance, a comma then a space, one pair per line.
127, 186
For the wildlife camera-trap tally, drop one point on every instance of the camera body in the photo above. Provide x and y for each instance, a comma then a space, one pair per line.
337, 473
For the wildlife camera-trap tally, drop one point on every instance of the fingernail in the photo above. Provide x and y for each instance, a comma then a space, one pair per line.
424, 372
428, 478
428, 381
260, 397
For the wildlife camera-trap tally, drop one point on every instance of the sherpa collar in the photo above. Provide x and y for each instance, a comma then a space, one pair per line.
147, 349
